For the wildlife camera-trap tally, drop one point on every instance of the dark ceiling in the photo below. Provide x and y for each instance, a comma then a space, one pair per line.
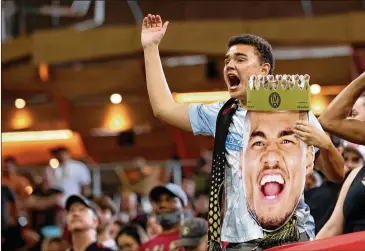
119, 11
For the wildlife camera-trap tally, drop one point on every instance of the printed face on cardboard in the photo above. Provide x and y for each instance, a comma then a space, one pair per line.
274, 166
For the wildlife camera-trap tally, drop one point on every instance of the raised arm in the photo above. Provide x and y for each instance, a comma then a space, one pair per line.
334, 118
163, 105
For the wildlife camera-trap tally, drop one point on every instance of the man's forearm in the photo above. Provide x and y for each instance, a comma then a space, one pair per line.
158, 90
331, 163
341, 106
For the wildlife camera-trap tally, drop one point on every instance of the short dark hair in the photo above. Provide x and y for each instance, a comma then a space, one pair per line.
134, 231
263, 48
11, 159
105, 202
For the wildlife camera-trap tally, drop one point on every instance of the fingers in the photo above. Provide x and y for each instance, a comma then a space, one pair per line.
300, 133
152, 21
145, 22
302, 128
158, 21
302, 122
164, 27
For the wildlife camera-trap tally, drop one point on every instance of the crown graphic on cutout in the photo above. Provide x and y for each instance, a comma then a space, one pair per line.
278, 93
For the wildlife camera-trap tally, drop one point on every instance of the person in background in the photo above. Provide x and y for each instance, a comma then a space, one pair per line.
115, 228
106, 210
168, 204
82, 222
353, 158
54, 244
194, 235
349, 213
19, 184
71, 176
153, 228
312, 180
130, 238
202, 205
45, 205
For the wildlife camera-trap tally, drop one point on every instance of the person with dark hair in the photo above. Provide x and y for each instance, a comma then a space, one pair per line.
115, 228
131, 238
349, 213
168, 204
71, 176
19, 184
106, 209
82, 222
246, 55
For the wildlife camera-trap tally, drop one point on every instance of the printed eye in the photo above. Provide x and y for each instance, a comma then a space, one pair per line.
258, 144
286, 141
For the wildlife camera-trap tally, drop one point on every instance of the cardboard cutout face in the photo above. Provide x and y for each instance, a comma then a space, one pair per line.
274, 166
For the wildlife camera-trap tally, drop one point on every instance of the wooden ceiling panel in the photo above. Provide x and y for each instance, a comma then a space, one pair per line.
22, 77
327, 71
126, 76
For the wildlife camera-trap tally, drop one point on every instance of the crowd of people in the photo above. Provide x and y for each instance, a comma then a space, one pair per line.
62, 214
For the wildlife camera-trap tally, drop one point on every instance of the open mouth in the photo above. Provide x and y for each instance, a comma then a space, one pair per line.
234, 81
272, 185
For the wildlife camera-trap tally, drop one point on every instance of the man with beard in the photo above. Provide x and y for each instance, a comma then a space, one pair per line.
82, 221
246, 55
106, 209
168, 204
275, 166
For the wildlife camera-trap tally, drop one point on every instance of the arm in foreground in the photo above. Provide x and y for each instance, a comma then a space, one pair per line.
334, 118
335, 224
163, 105
330, 161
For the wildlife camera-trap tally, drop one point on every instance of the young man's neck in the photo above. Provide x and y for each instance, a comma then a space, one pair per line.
82, 239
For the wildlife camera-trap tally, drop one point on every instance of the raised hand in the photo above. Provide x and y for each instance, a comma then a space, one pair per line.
152, 30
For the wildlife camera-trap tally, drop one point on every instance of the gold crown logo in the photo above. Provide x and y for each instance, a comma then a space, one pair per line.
279, 93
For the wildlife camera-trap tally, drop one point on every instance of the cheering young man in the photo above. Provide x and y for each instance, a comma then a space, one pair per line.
246, 55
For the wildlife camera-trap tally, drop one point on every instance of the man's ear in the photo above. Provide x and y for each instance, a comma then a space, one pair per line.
309, 159
265, 68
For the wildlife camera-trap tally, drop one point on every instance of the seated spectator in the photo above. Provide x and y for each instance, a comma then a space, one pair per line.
115, 228
106, 209
130, 238
194, 235
82, 222
153, 228
353, 158
168, 204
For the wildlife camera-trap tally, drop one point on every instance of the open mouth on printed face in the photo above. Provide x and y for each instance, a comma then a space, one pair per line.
272, 187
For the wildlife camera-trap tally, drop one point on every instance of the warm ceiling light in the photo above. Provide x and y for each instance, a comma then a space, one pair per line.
36, 136
115, 98
315, 89
201, 97
20, 103
29, 190
54, 163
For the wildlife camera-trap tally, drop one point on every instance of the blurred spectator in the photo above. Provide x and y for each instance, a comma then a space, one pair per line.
168, 203
153, 228
82, 222
54, 244
202, 205
106, 209
10, 177
115, 228
130, 238
71, 176
313, 180
45, 207
194, 235
10, 229
353, 158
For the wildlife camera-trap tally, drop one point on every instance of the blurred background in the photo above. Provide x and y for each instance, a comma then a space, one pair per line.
73, 77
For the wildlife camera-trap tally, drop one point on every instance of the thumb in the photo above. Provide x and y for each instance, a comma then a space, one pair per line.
164, 27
